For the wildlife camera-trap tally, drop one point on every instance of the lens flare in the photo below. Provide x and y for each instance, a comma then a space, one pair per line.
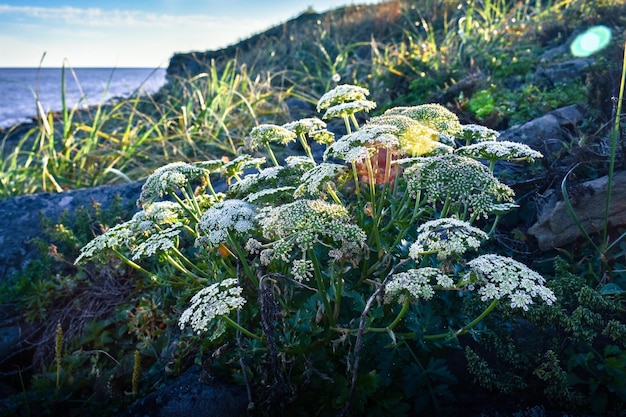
591, 41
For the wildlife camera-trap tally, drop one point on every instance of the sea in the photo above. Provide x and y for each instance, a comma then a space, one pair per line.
20, 88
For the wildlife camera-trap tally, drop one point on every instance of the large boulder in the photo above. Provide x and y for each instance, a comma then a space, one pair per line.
555, 227
20, 218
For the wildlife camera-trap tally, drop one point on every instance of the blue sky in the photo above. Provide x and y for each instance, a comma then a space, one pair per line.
135, 33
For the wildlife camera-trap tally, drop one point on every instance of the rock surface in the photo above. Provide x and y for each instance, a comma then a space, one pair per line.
188, 396
20, 218
555, 226
558, 125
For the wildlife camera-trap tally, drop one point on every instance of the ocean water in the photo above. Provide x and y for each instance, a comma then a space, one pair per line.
19, 88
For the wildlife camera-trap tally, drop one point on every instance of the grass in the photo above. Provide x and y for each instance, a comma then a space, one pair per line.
401, 52
467, 56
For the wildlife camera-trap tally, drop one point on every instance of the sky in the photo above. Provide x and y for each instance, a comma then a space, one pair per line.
134, 33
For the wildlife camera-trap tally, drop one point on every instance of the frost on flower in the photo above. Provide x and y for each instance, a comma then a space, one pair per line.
209, 303
271, 195
268, 133
162, 212
498, 277
160, 241
447, 237
415, 138
237, 166
473, 133
323, 136
416, 283
298, 161
230, 216
348, 109
342, 94
305, 126
273, 177
170, 178
361, 144
500, 150
303, 224
465, 182
119, 236
432, 115
315, 180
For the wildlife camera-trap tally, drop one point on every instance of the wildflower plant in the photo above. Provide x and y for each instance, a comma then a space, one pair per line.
319, 268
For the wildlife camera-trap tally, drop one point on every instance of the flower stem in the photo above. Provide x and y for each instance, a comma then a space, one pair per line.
321, 288
468, 326
242, 329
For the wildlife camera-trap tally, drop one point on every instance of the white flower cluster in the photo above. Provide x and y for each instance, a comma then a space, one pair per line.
359, 145
160, 241
314, 180
323, 136
304, 126
348, 109
241, 163
270, 194
266, 133
305, 223
498, 277
416, 283
121, 235
161, 213
298, 161
136, 234
235, 216
473, 133
500, 150
170, 178
216, 300
414, 137
447, 237
432, 115
461, 180
342, 94
251, 181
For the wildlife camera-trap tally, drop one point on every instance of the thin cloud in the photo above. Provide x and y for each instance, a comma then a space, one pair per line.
99, 18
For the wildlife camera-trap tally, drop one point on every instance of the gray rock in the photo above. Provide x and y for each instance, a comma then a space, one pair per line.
554, 126
555, 226
20, 218
564, 71
187, 396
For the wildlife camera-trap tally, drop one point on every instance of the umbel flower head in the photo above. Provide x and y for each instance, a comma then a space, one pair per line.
344, 93
237, 167
303, 224
317, 178
160, 241
462, 181
416, 284
498, 277
209, 303
348, 109
229, 216
359, 145
265, 134
415, 138
472, 133
432, 115
500, 150
447, 237
305, 126
170, 178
